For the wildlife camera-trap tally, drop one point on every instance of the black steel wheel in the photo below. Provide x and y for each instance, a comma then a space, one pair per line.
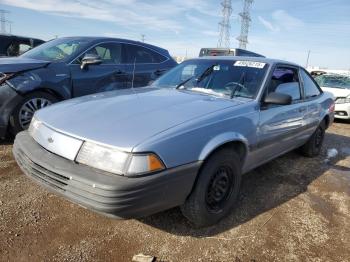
216, 189
219, 189
314, 145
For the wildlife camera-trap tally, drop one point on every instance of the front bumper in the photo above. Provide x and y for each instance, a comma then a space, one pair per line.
9, 99
342, 111
114, 195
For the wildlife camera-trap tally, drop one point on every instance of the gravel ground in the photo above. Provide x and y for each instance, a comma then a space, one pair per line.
291, 209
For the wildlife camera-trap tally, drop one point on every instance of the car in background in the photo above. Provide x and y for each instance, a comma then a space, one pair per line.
184, 141
227, 52
339, 86
71, 67
12, 45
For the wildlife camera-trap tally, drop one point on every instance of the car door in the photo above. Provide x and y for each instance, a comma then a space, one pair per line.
280, 125
109, 75
143, 65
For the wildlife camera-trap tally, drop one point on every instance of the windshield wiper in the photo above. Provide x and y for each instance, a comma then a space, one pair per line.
206, 72
184, 82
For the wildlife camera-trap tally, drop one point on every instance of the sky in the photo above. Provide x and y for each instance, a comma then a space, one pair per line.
283, 29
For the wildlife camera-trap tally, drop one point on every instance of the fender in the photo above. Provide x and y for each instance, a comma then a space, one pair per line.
220, 140
58, 81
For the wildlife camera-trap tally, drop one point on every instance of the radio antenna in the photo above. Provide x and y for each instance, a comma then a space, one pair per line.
133, 74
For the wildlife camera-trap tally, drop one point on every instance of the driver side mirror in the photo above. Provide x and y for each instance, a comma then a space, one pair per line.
278, 99
90, 59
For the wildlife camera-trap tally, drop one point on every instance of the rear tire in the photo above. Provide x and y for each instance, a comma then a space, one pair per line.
24, 111
313, 146
216, 190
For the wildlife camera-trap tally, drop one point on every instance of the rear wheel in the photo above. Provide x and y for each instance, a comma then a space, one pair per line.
216, 190
313, 146
24, 111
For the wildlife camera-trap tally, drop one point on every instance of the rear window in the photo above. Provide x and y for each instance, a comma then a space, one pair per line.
333, 81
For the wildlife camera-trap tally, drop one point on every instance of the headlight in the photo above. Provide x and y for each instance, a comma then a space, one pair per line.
342, 100
34, 126
4, 77
115, 161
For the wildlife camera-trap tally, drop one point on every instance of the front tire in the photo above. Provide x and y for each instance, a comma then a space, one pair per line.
313, 146
24, 111
216, 190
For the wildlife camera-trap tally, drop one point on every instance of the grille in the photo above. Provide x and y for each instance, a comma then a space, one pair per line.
40, 173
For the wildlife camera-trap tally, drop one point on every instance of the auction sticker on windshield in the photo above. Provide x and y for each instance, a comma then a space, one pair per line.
250, 64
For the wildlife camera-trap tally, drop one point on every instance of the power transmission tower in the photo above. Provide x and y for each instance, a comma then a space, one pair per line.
3, 21
143, 38
225, 26
245, 22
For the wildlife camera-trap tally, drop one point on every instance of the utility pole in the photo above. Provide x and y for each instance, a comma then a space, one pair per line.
3, 21
307, 60
143, 38
225, 26
245, 23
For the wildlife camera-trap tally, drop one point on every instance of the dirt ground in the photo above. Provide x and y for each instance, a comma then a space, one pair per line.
291, 209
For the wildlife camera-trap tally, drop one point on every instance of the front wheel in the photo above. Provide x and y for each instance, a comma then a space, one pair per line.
216, 190
24, 111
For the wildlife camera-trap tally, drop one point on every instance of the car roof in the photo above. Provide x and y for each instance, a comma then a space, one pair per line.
97, 39
13, 37
248, 58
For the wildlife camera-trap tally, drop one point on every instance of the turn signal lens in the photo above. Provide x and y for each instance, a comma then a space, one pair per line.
154, 163
141, 164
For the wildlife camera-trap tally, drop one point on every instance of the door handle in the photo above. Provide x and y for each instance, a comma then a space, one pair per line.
119, 72
302, 109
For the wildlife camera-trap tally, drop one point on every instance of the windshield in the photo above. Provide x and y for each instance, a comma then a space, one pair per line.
57, 50
333, 81
225, 78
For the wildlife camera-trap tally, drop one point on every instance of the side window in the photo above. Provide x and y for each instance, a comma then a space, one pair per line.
24, 48
310, 88
188, 71
110, 53
142, 55
285, 80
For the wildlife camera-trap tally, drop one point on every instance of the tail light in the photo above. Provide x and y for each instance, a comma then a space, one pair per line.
332, 107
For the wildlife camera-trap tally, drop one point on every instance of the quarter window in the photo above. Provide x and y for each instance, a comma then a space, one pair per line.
310, 88
141, 55
285, 80
24, 48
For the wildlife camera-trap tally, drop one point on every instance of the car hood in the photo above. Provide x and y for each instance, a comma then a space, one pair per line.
337, 92
125, 118
18, 64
